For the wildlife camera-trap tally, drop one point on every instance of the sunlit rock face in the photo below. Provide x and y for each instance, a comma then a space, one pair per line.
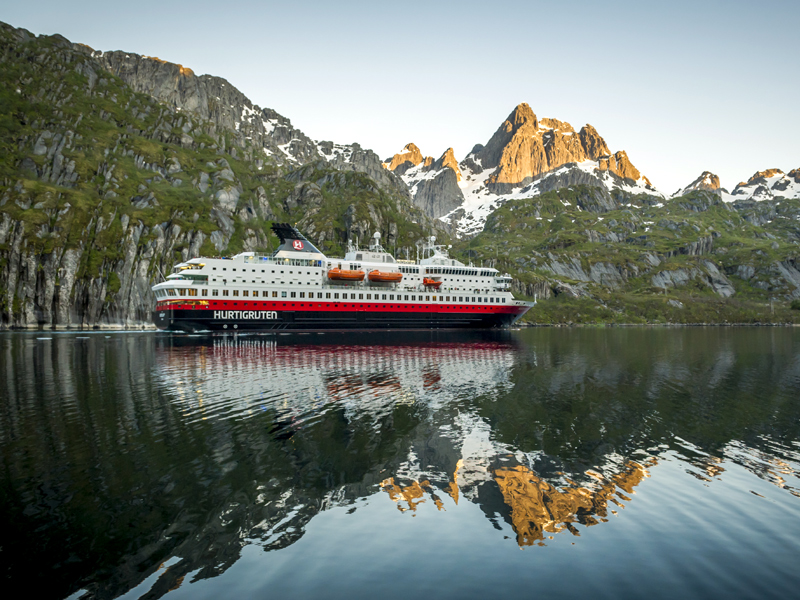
707, 181
525, 157
434, 184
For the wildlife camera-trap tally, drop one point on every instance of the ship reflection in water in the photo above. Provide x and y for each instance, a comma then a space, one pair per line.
152, 464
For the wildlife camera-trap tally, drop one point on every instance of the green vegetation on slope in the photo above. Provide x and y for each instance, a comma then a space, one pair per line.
692, 259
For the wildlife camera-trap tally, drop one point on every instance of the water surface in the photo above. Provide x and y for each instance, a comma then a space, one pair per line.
611, 462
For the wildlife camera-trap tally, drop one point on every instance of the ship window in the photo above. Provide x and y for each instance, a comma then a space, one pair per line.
434, 298
391, 296
205, 292
359, 257
473, 299
504, 300
383, 297
491, 300
234, 269
302, 294
171, 292
224, 269
369, 296
213, 268
361, 296
224, 292
336, 296
447, 299
235, 292
460, 298
293, 295
427, 298
406, 298
319, 294
327, 294
352, 296
413, 298
283, 294
255, 293
245, 293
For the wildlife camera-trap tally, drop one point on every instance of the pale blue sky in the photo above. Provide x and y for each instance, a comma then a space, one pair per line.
682, 86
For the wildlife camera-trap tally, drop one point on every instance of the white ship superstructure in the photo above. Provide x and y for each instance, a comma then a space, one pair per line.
299, 288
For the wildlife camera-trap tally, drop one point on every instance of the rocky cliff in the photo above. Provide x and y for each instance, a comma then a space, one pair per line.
767, 185
707, 181
526, 156
627, 257
114, 166
433, 184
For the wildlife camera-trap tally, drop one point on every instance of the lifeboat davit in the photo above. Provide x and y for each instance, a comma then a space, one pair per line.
385, 277
431, 283
345, 275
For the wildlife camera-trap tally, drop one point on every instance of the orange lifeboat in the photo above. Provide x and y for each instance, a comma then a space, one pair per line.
431, 283
385, 277
345, 275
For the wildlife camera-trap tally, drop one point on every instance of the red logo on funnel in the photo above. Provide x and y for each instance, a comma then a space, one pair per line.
297, 245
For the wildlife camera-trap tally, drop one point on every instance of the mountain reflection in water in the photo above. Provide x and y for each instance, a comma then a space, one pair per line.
154, 461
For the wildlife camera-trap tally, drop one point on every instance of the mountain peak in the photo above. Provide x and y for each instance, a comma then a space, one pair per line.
593, 145
448, 159
706, 181
410, 156
764, 174
520, 125
521, 114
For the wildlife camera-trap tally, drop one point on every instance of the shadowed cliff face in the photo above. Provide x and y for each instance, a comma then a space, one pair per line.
115, 166
433, 184
128, 452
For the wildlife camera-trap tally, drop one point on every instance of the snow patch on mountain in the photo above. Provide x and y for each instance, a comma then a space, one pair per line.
767, 185
480, 201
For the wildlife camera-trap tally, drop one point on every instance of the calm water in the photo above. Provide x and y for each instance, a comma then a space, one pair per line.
658, 463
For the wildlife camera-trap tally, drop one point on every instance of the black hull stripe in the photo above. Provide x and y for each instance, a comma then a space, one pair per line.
203, 320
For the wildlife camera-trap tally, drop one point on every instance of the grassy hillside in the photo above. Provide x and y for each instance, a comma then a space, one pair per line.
693, 259
90, 166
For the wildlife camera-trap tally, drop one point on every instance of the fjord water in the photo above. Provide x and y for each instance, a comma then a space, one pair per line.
654, 463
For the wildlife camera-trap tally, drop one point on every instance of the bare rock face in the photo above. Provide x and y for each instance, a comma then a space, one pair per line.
768, 185
403, 161
519, 125
446, 160
707, 181
433, 184
562, 146
619, 164
440, 194
524, 148
593, 145
764, 175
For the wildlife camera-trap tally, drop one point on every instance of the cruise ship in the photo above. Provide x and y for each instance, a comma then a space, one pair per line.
298, 288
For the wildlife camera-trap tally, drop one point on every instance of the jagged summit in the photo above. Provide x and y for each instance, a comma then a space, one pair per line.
434, 184
766, 185
524, 157
448, 159
401, 162
707, 181
528, 155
